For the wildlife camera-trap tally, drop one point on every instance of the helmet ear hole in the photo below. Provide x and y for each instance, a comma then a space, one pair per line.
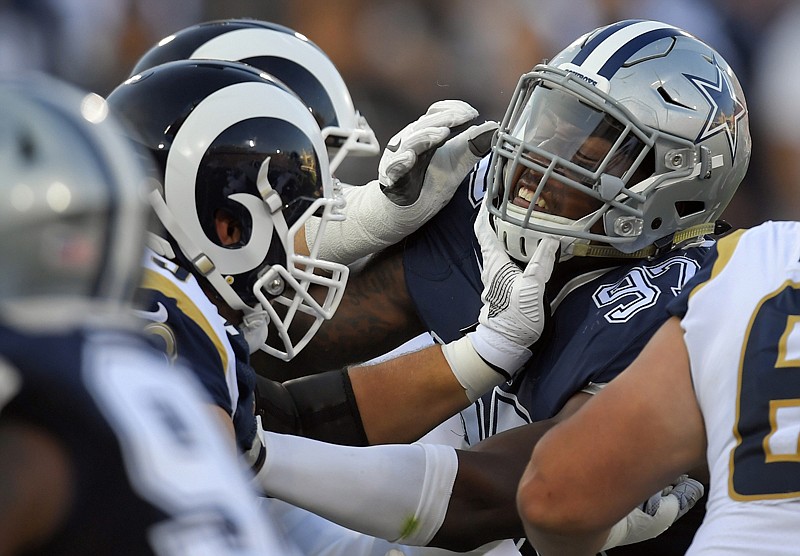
656, 224
688, 208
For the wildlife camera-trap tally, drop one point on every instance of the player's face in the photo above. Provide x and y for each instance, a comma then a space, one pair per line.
229, 228
556, 197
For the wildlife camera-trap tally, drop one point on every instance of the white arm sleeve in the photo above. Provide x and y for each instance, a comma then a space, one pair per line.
373, 223
394, 492
316, 536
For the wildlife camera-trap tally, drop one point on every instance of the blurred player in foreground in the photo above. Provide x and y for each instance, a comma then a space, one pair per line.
719, 384
104, 448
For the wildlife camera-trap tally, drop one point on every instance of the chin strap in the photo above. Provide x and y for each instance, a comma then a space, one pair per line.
696, 232
608, 252
680, 237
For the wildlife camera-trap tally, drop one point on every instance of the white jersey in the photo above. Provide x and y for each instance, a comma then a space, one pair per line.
742, 331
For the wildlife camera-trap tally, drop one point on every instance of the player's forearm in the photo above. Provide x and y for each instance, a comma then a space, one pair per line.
568, 544
402, 399
395, 401
483, 504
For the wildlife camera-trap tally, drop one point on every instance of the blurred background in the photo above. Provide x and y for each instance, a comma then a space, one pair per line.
398, 56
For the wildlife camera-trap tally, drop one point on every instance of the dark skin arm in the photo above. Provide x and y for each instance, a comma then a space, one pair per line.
375, 316
35, 485
418, 390
483, 504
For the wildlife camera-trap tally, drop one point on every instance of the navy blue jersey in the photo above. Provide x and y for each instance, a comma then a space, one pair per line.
442, 265
599, 324
151, 472
601, 319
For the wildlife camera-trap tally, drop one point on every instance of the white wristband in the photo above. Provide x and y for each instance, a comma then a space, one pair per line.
640, 526
616, 535
471, 371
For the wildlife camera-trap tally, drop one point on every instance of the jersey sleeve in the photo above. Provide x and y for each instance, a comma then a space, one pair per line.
442, 263
715, 261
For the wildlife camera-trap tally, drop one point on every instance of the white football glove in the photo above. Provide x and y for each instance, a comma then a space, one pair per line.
418, 167
657, 514
512, 317
513, 313
418, 173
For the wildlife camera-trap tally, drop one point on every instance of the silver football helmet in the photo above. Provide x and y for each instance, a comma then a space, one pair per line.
244, 166
73, 213
293, 59
635, 134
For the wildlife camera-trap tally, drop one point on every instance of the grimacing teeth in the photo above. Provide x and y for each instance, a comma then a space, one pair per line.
540, 202
526, 194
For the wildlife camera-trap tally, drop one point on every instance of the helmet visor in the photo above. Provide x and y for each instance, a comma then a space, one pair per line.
562, 147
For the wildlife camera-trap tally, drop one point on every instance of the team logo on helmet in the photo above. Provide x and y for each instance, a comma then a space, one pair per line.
726, 109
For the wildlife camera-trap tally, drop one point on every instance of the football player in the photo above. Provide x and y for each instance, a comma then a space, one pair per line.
625, 148
381, 212
104, 447
418, 172
244, 167
729, 371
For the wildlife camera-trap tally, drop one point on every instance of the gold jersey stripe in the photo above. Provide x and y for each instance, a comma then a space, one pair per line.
155, 281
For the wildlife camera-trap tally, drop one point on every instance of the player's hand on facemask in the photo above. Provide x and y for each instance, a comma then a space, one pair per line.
657, 514
513, 314
424, 163
419, 172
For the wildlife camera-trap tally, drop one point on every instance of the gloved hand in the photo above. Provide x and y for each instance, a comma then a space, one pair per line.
419, 172
418, 166
513, 313
657, 514
256, 455
511, 319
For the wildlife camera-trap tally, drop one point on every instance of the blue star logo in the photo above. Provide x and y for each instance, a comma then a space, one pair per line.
726, 109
